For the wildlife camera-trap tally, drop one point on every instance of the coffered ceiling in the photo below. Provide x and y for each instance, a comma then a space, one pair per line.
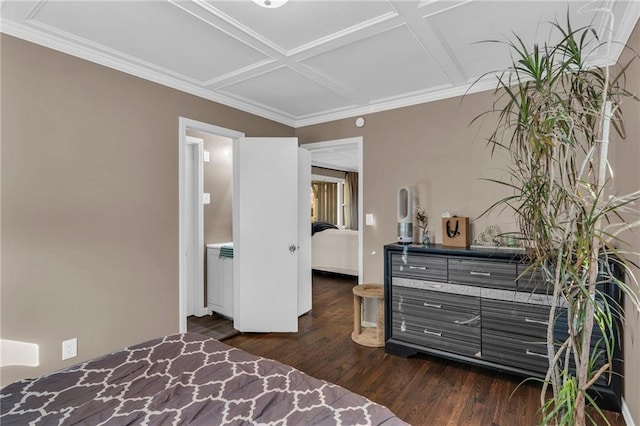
308, 61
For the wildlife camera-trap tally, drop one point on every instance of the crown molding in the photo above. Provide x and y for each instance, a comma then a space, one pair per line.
74, 49
629, 21
381, 106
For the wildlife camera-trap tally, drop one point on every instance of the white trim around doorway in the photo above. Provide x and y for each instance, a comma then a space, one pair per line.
185, 124
359, 141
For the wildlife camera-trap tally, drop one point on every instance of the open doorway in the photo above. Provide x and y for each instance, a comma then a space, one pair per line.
343, 156
191, 215
258, 247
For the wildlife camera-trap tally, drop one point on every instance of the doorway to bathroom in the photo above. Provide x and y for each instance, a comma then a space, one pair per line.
270, 254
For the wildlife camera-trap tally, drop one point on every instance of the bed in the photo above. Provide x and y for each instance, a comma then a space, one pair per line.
335, 250
185, 379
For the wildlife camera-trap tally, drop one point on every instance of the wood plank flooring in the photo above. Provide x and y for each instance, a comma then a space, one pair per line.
421, 390
214, 325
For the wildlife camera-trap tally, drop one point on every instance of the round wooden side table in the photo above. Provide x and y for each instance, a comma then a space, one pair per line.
368, 336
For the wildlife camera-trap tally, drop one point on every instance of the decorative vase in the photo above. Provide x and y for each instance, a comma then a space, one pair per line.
425, 238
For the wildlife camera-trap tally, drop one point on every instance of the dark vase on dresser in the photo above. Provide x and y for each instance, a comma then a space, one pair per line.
481, 307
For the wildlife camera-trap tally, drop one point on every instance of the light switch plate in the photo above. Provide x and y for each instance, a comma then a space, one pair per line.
369, 219
206, 156
70, 348
206, 198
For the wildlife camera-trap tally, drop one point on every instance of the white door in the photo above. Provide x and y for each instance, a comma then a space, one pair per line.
265, 234
304, 231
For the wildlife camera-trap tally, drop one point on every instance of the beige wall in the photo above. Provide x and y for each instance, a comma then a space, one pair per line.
218, 182
90, 202
431, 148
626, 163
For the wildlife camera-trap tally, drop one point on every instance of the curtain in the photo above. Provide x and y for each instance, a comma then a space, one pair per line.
325, 199
351, 200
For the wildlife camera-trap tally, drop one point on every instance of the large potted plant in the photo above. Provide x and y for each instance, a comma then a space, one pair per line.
554, 114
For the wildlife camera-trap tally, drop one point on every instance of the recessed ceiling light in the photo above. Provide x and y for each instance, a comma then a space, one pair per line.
271, 4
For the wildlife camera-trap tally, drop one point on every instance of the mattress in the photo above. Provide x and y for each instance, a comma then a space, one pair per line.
335, 250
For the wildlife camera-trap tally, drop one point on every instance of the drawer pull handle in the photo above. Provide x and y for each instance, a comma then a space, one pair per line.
433, 333
434, 285
529, 320
537, 354
422, 268
430, 305
476, 318
484, 274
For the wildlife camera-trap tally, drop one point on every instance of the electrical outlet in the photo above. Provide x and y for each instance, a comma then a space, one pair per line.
70, 348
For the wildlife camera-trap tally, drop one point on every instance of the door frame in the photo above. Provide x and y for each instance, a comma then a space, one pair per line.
359, 140
195, 225
186, 223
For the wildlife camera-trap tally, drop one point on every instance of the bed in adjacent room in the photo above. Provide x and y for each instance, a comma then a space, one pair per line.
185, 379
334, 249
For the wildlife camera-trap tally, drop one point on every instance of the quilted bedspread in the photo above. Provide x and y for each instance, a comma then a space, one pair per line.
185, 379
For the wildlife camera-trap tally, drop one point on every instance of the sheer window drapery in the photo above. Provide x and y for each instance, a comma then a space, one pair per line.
324, 202
351, 200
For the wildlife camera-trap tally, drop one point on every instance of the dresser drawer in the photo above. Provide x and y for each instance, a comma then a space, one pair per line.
434, 304
460, 339
533, 280
517, 351
494, 274
429, 268
561, 332
513, 317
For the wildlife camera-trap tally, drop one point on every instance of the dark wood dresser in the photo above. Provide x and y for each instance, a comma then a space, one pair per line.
482, 307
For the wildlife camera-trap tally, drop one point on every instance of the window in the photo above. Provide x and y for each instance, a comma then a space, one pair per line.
327, 200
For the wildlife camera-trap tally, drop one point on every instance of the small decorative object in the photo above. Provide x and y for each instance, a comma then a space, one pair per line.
423, 221
426, 240
405, 223
455, 231
489, 237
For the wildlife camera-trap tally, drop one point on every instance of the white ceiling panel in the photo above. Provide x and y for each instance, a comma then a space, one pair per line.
498, 20
339, 156
301, 23
390, 64
287, 91
309, 61
155, 32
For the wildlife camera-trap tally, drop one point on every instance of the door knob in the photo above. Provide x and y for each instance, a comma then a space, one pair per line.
292, 248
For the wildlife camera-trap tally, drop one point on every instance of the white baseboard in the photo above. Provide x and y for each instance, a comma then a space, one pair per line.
626, 414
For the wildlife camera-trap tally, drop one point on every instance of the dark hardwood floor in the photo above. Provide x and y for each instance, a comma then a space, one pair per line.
213, 325
421, 390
